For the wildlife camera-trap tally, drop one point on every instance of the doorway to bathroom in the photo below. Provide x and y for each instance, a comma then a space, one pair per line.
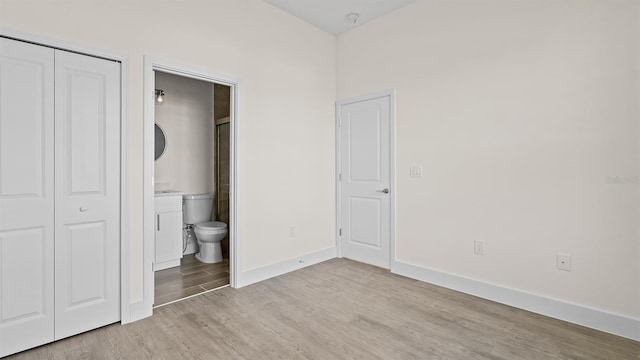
191, 150
192, 207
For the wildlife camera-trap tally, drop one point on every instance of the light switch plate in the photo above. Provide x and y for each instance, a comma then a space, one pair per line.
415, 171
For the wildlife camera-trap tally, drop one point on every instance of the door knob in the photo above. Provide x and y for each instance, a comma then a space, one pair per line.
83, 208
386, 191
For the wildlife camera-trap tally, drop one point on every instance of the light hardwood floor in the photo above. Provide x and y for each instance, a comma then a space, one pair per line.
190, 278
340, 309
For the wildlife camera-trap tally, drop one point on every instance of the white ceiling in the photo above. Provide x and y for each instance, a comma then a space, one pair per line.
330, 15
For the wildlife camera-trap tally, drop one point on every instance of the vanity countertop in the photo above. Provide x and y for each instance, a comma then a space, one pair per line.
169, 193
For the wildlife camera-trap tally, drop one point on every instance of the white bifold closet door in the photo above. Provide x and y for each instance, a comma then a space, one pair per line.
87, 200
26, 196
59, 194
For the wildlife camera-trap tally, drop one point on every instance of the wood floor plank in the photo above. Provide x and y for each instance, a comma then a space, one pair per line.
216, 283
190, 278
176, 294
340, 309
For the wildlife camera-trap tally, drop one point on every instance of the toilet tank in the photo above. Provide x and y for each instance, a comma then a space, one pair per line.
197, 208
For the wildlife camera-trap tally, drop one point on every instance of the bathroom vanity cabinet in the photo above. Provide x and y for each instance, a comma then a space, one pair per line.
168, 225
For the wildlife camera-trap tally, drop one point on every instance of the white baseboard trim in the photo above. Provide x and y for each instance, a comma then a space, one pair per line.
249, 277
577, 314
166, 264
138, 311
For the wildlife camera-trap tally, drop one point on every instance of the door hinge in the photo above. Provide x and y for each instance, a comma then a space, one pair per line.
340, 231
339, 177
339, 120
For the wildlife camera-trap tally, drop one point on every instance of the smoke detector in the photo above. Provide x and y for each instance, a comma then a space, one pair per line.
353, 18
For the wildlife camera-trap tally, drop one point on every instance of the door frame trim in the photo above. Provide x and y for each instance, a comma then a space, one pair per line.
152, 64
125, 246
391, 94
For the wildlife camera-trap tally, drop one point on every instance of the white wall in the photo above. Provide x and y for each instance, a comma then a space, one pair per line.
287, 69
186, 116
524, 116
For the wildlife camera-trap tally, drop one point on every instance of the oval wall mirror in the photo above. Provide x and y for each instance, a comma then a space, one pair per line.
160, 142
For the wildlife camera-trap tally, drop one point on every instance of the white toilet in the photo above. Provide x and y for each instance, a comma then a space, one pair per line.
196, 210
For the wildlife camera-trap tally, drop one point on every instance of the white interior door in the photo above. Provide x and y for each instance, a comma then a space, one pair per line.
26, 195
87, 206
364, 136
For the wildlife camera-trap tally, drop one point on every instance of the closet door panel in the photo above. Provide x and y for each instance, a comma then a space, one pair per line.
21, 144
87, 193
86, 245
85, 135
26, 196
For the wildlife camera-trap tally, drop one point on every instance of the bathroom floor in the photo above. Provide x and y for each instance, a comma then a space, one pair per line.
190, 278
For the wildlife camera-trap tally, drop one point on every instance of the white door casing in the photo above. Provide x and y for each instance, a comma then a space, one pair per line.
364, 144
235, 231
26, 195
87, 203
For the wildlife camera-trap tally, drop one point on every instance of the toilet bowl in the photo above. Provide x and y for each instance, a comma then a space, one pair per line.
209, 236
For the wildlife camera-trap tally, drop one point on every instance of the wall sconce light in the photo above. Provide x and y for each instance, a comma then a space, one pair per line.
159, 95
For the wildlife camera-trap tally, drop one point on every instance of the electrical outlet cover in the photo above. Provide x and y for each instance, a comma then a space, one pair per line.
563, 262
478, 247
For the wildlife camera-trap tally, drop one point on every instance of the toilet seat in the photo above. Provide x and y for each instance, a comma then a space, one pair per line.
213, 226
